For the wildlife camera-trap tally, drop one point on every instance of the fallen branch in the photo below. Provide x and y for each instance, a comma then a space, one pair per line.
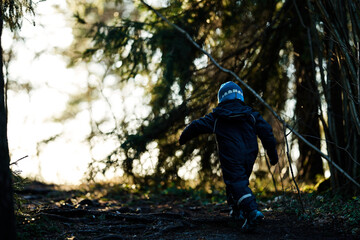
62, 218
71, 213
109, 236
75, 214
81, 215
254, 93
110, 227
209, 221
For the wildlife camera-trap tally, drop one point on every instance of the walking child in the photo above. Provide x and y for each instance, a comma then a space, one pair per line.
236, 127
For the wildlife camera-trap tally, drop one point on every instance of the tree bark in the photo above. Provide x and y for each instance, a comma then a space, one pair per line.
341, 98
307, 98
336, 116
7, 217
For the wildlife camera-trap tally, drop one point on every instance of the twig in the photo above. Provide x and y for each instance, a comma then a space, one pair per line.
281, 179
16, 162
272, 175
101, 83
337, 146
291, 170
358, 71
64, 219
254, 93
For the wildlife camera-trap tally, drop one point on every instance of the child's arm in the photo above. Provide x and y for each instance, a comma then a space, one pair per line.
264, 131
197, 127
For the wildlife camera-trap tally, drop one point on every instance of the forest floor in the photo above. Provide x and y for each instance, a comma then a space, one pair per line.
115, 212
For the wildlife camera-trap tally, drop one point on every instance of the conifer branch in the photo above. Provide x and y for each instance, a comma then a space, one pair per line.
282, 121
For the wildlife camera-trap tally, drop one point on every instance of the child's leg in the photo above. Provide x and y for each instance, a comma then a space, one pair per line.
242, 196
236, 213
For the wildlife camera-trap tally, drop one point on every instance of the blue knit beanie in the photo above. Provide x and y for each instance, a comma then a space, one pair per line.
229, 91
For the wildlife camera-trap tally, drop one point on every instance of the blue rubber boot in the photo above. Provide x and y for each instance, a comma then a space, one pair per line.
253, 219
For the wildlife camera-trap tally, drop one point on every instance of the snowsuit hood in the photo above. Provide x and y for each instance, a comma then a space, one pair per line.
232, 109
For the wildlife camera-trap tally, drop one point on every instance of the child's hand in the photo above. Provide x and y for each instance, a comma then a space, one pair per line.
181, 140
273, 162
273, 158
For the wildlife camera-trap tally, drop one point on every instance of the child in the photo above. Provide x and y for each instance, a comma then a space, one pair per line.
236, 127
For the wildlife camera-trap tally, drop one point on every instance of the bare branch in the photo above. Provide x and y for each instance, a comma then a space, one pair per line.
272, 175
16, 162
291, 170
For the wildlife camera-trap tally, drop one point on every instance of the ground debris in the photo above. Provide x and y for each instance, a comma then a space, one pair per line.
65, 215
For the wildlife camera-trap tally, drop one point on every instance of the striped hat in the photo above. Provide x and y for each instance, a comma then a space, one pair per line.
229, 91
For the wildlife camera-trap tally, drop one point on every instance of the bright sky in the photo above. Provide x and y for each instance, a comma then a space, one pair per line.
65, 160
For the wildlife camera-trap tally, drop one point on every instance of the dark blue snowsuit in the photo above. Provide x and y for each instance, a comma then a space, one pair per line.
236, 126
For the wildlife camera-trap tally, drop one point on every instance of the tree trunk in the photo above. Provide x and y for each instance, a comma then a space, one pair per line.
335, 116
342, 117
307, 99
7, 218
308, 124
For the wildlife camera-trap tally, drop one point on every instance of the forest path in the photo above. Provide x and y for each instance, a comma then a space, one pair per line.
54, 214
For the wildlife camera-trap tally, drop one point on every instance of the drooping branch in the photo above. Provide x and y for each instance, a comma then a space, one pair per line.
182, 31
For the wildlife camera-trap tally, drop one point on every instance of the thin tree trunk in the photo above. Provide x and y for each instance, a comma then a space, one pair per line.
307, 96
7, 218
341, 99
335, 113
337, 117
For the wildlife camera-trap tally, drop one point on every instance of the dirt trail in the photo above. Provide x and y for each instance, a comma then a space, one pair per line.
65, 215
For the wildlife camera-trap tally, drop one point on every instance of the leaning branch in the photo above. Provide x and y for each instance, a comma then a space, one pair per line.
291, 169
253, 92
